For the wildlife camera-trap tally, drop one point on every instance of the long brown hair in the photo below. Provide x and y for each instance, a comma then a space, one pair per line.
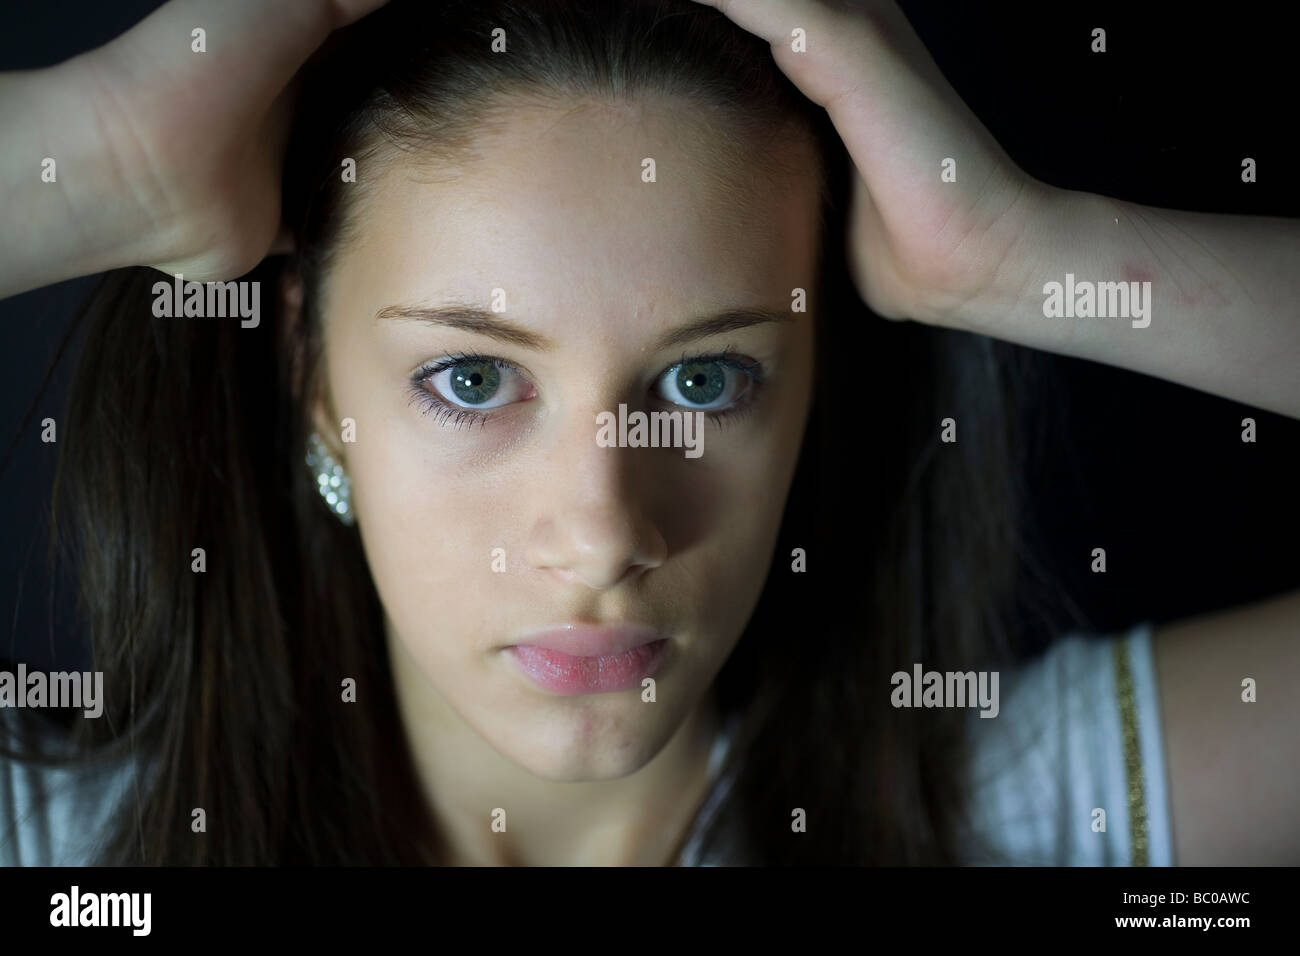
185, 434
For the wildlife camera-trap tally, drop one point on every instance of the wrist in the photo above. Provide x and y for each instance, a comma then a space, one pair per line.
75, 207
119, 200
1034, 233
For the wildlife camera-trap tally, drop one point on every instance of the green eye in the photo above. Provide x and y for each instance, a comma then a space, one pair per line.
709, 383
700, 383
475, 382
478, 382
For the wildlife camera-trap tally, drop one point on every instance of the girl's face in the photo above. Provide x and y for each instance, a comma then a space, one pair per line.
478, 324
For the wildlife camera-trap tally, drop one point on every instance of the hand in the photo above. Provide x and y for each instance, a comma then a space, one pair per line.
197, 140
919, 247
976, 253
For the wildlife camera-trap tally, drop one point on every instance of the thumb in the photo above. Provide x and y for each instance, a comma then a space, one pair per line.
270, 38
350, 11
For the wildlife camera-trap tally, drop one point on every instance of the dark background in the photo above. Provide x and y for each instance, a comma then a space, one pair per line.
1191, 517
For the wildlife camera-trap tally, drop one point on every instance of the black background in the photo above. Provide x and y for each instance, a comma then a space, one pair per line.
1191, 517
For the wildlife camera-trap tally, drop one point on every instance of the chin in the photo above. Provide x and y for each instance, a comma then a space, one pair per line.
590, 744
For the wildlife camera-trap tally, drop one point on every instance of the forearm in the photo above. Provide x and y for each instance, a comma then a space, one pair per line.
1221, 312
77, 215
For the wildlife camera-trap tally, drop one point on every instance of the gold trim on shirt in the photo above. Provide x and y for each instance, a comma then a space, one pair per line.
1128, 718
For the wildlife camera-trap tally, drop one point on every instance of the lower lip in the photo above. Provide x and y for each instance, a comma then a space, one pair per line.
569, 675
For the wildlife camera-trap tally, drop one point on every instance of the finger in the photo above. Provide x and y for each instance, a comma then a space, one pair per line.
845, 42
350, 11
888, 100
251, 44
283, 243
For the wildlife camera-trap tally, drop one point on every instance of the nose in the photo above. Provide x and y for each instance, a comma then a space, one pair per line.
596, 524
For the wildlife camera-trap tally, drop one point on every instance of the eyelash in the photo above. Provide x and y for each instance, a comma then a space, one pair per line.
445, 413
729, 358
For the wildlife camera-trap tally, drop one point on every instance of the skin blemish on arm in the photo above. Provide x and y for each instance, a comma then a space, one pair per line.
1135, 272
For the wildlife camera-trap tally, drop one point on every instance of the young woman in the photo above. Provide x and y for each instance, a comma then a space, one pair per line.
367, 581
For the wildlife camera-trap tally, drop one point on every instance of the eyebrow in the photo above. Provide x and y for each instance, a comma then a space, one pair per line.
469, 319
484, 322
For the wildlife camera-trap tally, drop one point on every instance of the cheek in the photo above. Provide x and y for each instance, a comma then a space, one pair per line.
743, 529
738, 506
438, 522
757, 491
426, 523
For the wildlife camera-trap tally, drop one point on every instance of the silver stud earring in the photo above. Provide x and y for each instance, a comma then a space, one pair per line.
331, 481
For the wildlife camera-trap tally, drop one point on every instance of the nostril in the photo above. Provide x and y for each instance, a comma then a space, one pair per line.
598, 544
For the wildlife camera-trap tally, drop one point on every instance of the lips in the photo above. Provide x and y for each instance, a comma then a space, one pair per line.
583, 640
583, 659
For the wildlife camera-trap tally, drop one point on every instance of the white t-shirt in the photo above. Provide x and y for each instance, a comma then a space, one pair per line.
1077, 746
1054, 756
68, 829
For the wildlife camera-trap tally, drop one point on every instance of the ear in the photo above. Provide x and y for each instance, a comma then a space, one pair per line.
292, 339
307, 376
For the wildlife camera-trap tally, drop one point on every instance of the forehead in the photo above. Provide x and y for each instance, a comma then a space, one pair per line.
552, 205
